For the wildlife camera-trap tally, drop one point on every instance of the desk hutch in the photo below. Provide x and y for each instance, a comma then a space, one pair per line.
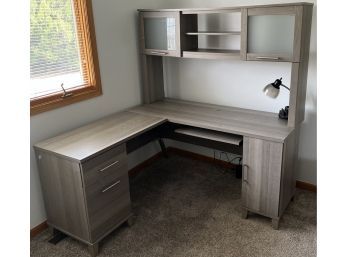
84, 172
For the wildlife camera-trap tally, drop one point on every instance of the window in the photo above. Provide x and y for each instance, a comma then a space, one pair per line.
63, 57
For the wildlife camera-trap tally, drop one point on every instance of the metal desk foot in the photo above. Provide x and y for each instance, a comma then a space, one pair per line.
57, 236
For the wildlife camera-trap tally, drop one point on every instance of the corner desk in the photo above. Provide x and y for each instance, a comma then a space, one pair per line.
84, 173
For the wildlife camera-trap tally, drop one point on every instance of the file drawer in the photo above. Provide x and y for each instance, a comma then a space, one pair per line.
99, 196
107, 206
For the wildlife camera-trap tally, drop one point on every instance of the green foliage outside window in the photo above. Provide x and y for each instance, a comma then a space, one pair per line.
53, 43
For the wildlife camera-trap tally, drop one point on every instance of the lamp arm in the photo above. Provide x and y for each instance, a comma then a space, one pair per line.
285, 87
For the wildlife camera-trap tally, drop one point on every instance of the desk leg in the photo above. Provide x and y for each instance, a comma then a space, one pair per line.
244, 213
131, 221
93, 249
275, 223
163, 147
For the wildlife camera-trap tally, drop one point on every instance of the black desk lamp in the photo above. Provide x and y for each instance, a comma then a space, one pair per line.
272, 90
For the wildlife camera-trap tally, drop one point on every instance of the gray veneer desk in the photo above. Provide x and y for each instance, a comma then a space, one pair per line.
84, 172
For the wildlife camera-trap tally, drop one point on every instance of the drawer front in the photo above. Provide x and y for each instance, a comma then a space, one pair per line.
108, 205
106, 167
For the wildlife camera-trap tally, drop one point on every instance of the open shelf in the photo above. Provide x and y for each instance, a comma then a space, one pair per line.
213, 33
212, 54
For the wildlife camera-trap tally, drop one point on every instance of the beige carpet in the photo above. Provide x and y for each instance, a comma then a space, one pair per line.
189, 208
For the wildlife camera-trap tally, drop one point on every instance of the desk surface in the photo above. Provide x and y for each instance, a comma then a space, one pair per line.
234, 120
88, 140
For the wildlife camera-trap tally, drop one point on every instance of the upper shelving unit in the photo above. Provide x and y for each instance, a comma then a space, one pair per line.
252, 33
275, 33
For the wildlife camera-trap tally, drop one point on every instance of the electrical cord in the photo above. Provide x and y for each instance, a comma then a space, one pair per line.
228, 159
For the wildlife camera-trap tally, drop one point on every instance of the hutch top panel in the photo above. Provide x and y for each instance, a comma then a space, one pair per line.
195, 10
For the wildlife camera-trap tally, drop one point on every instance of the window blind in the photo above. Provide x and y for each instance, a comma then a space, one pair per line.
55, 56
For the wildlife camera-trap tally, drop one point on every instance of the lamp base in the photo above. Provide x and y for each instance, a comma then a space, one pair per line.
283, 113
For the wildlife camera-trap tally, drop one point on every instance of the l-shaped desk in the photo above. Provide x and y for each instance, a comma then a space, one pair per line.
84, 173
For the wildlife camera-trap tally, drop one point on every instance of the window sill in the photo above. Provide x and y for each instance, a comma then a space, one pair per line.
47, 103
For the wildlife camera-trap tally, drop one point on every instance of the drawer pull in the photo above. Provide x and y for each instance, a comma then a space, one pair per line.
160, 53
245, 172
267, 58
105, 168
109, 187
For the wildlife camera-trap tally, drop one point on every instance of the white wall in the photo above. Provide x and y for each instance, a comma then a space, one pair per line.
240, 83
226, 82
116, 32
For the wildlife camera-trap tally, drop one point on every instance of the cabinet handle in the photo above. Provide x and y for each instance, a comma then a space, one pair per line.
267, 58
105, 168
245, 172
109, 187
160, 53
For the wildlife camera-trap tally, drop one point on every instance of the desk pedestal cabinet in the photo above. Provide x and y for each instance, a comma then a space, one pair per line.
268, 179
86, 200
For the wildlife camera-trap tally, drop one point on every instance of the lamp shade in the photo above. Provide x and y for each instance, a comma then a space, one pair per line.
271, 91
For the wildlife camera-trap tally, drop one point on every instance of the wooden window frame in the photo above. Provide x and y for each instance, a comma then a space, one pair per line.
89, 59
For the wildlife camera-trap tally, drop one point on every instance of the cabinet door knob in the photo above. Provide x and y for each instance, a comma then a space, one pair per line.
245, 172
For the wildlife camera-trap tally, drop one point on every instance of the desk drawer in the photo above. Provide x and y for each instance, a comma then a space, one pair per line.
107, 206
106, 167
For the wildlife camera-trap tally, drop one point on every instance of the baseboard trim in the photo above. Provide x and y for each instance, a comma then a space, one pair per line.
306, 186
38, 229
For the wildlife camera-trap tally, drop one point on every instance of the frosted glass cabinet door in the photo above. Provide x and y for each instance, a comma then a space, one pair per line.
160, 33
271, 34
